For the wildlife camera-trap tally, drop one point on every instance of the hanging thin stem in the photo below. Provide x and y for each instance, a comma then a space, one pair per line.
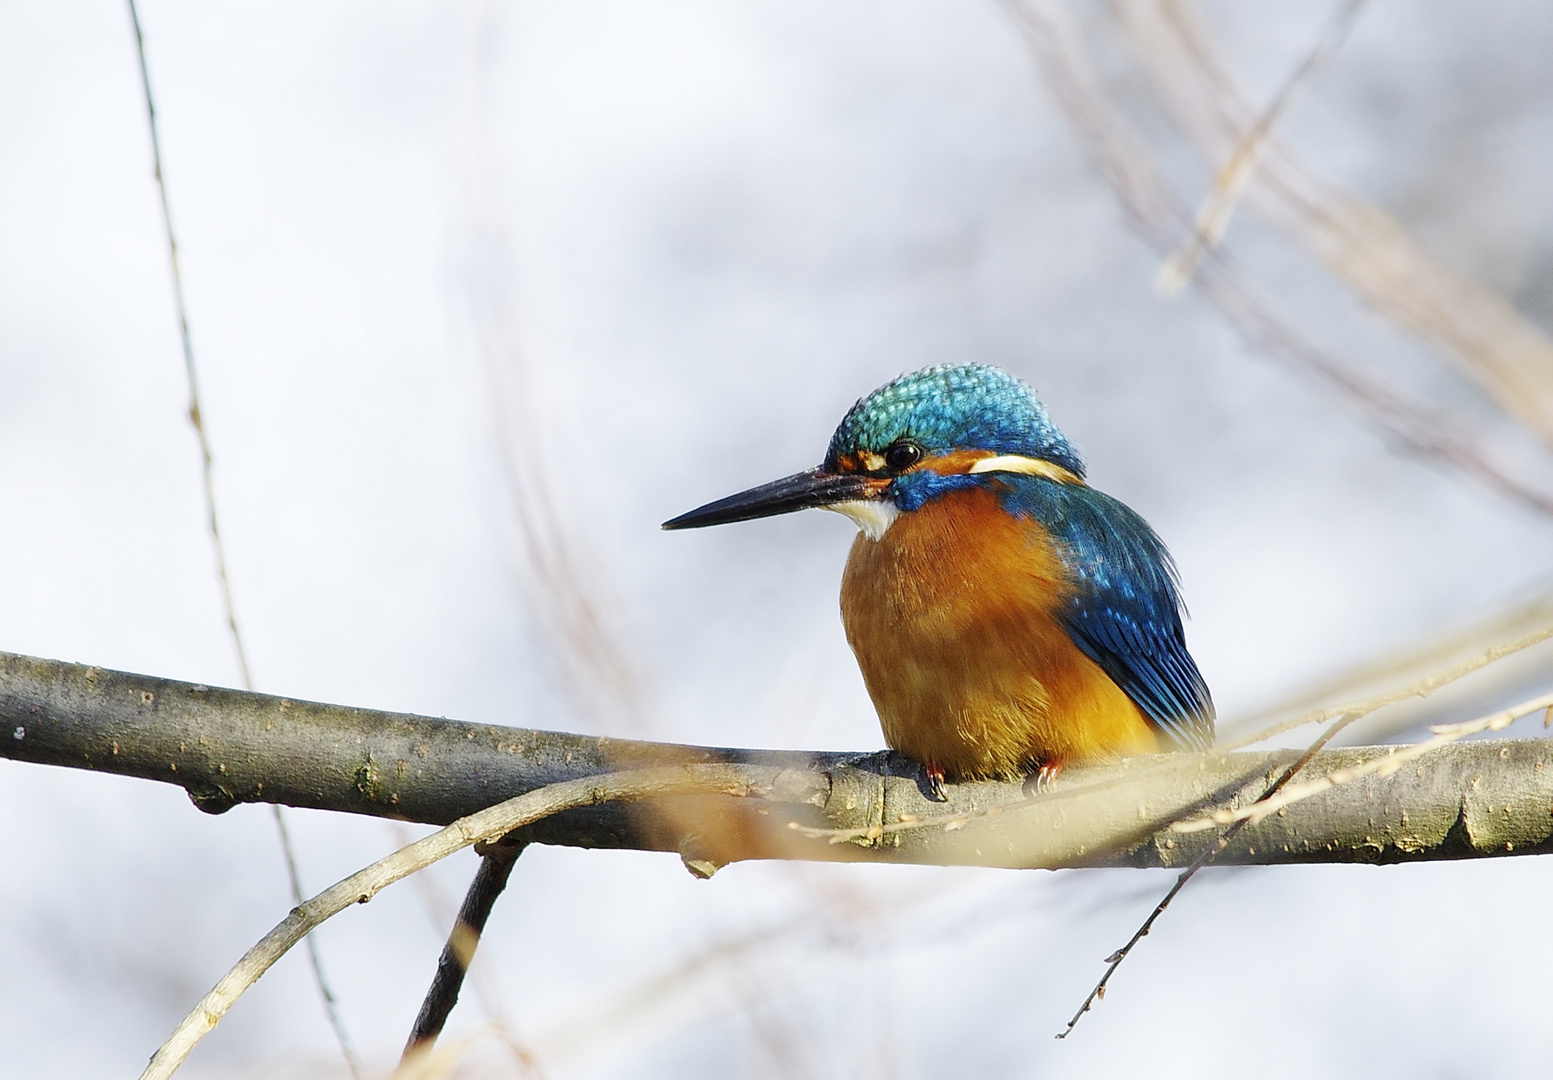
207, 461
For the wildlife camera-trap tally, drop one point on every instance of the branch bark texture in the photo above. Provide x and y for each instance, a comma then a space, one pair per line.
228, 746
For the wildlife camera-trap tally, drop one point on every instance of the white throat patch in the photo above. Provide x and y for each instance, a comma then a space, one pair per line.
873, 516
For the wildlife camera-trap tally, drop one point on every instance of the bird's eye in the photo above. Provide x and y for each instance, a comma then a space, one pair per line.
902, 456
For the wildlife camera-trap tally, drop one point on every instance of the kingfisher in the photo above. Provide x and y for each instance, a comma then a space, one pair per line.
1007, 617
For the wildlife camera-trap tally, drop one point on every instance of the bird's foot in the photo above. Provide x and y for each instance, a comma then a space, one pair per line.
1040, 781
935, 783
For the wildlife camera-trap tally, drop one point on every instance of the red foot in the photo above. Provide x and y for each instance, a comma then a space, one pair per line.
935, 783
1040, 781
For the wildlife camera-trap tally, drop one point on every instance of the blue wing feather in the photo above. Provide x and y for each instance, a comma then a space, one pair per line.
1125, 612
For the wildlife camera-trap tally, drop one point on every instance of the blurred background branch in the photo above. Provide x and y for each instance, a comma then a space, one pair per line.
1359, 244
1364, 247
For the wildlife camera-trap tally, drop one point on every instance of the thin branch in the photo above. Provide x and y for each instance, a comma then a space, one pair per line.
486, 825
196, 414
1114, 961
314, 958
1444, 735
197, 419
1281, 795
443, 913
459, 952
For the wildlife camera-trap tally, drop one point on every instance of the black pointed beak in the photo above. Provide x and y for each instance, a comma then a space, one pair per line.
801, 491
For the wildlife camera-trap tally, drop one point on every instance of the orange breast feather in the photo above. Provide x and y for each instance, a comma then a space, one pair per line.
952, 615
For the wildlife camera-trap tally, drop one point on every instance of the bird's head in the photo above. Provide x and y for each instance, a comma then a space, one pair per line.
920, 436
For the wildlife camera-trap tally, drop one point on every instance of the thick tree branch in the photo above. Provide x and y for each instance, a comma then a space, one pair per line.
228, 746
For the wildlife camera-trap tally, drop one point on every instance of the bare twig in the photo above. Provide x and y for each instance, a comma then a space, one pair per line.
197, 419
314, 957
459, 952
443, 913
1282, 794
1237, 171
1114, 961
1444, 735
196, 415
486, 825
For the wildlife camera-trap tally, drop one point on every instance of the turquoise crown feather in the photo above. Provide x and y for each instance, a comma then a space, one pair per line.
955, 407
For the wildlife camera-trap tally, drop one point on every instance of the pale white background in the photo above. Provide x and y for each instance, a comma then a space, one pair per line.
703, 230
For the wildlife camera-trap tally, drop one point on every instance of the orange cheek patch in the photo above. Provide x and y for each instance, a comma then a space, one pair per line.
954, 463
